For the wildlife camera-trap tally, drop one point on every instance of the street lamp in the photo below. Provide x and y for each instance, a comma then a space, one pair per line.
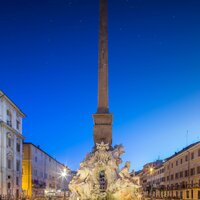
64, 173
64, 176
151, 169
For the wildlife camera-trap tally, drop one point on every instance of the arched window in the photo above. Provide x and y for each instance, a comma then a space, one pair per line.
102, 181
9, 118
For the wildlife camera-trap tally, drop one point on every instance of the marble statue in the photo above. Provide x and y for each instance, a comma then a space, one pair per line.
99, 177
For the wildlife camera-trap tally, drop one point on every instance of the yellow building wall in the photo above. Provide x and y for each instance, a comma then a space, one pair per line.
27, 171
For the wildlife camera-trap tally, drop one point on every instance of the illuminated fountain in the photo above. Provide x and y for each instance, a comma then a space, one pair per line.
99, 176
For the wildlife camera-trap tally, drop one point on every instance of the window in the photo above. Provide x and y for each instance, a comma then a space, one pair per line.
17, 193
192, 171
172, 177
9, 118
17, 180
199, 194
177, 163
192, 155
198, 170
176, 175
181, 194
17, 124
187, 195
9, 163
181, 174
18, 146
186, 158
199, 152
35, 159
181, 160
18, 165
9, 139
172, 165
186, 173
192, 183
8, 185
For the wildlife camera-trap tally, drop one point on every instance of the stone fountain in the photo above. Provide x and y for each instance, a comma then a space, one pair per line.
99, 176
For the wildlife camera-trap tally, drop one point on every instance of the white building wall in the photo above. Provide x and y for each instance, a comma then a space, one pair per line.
8, 177
47, 170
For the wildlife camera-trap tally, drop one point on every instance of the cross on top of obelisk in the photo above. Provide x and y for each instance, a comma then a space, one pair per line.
103, 60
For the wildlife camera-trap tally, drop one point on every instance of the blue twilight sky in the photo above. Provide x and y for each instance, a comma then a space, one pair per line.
48, 66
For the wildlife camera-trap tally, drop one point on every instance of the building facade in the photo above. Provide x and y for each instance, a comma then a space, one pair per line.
42, 174
182, 173
151, 177
10, 147
177, 178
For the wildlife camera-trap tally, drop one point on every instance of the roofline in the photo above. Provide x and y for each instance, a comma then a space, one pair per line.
183, 150
2, 95
30, 143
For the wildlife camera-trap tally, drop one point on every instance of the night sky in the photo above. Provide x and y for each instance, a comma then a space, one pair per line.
48, 67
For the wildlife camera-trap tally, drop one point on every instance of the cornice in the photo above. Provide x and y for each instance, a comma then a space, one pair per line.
4, 96
12, 130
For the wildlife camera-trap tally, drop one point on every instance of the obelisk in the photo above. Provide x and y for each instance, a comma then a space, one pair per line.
102, 118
